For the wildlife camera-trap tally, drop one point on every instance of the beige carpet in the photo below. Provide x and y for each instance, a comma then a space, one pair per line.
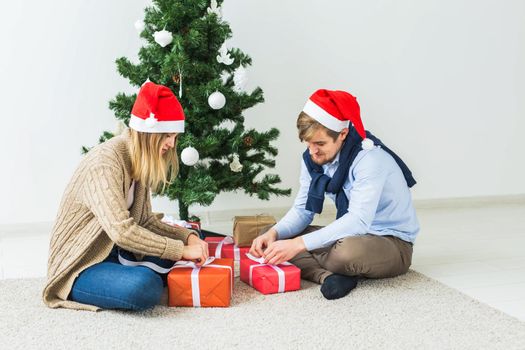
407, 312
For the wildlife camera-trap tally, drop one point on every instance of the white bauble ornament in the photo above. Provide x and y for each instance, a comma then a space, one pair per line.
235, 165
367, 144
189, 156
139, 25
163, 37
240, 79
216, 100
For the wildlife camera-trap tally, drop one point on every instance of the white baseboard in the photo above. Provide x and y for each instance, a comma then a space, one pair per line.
469, 202
225, 216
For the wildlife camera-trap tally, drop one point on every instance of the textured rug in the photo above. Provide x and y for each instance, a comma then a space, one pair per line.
407, 312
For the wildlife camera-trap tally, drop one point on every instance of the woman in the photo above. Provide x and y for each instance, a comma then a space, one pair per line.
106, 213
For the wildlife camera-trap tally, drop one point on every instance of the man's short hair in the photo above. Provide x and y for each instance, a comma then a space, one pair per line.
308, 126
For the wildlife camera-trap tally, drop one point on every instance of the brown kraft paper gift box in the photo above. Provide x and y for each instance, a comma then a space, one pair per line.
247, 228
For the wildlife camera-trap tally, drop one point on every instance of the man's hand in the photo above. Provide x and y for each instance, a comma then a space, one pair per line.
262, 242
281, 251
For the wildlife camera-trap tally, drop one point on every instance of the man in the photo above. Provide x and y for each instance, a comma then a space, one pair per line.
376, 223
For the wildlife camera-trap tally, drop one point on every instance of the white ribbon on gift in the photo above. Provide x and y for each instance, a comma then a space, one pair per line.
280, 272
195, 289
228, 240
170, 220
147, 264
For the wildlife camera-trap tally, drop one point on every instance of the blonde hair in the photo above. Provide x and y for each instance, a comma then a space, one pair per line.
308, 126
148, 166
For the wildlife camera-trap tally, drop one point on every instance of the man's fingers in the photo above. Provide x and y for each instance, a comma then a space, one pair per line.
258, 248
269, 254
269, 250
252, 250
276, 260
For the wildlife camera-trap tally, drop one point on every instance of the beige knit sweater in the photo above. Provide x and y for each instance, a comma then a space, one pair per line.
93, 217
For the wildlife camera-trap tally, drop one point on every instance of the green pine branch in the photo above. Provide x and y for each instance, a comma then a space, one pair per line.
191, 60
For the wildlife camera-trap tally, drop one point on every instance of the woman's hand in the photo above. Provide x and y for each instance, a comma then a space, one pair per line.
194, 240
194, 253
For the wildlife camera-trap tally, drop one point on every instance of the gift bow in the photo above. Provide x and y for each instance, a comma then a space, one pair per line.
227, 240
195, 289
280, 272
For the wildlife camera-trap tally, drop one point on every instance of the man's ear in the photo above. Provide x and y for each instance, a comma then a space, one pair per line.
343, 134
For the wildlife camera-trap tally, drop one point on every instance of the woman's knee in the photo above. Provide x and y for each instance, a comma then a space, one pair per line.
113, 286
144, 289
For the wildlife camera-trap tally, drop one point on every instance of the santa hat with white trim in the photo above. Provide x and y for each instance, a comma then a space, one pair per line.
335, 110
156, 110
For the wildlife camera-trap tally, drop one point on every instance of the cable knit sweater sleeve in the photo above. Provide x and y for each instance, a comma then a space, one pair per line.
153, 223
103, 195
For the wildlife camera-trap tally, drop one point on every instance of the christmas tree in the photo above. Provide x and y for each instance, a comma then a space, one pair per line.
185, 51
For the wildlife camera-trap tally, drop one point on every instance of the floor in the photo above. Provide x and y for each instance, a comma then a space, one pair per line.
479, 251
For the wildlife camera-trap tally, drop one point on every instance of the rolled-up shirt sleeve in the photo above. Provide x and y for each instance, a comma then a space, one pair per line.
297, 218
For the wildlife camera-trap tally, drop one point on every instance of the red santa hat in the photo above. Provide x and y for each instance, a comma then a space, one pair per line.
335, 110
156, 110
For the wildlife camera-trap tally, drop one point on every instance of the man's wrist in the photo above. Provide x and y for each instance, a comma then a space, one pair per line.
300, 244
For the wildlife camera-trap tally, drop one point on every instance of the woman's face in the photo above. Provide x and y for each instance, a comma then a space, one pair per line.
168, 143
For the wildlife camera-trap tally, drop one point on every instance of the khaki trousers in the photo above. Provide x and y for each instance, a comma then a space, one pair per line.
368, 256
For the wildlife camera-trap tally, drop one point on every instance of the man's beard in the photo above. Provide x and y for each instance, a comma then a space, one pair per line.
321, 162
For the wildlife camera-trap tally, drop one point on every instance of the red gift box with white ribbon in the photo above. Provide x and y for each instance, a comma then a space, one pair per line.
220, 247
270, 279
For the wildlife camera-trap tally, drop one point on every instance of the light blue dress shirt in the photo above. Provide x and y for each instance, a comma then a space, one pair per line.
380, 203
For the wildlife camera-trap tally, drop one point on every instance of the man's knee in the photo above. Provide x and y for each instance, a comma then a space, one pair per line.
347, 256
370, 256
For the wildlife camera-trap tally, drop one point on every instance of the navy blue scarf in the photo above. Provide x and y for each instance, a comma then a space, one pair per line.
322, 183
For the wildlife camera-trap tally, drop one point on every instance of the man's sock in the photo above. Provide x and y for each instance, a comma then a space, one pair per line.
337, 286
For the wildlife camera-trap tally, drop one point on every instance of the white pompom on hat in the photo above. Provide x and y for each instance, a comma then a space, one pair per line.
335, 110
156, 110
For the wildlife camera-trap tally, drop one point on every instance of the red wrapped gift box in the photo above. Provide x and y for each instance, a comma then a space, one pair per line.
209, 285
269, 279
220, 247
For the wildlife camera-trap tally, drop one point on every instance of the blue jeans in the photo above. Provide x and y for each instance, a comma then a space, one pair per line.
110, 285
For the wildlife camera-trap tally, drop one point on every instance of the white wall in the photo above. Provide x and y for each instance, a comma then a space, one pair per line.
440, 82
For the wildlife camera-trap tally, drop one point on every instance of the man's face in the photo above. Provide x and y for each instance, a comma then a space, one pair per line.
323, 148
